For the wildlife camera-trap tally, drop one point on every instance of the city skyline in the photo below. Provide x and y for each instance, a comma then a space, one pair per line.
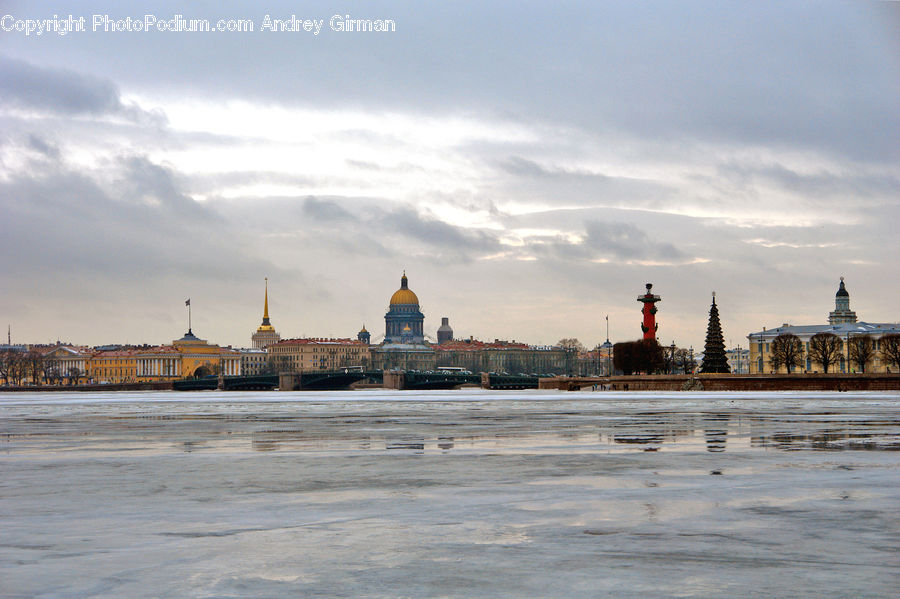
530, 167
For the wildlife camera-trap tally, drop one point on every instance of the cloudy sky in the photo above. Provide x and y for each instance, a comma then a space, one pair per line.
530, 165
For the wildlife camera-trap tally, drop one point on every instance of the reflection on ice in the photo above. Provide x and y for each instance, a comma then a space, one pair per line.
471, 493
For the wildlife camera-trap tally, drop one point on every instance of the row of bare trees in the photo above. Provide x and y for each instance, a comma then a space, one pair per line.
18, 367
827, 349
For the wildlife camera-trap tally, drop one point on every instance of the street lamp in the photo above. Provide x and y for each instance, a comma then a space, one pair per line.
672, 367
692, 359
608, 347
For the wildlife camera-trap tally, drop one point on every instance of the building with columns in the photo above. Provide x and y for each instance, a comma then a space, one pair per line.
404, 321
842, 322
187, 357
68, 364
404, 346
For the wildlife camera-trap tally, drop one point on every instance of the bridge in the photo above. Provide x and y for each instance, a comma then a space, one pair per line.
228, 383
311, 381
454, 380
343, 379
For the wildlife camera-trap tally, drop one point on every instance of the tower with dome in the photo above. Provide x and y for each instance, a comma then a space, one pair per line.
404, 346
403, 321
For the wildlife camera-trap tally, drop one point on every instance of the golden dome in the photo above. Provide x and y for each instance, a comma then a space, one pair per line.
404, 295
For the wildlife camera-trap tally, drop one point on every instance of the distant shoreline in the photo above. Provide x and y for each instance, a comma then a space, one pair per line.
660, 382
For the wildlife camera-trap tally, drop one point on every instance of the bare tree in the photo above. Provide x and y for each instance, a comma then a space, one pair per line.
34, 366
677, 361
73, 374
51, 372
6, 359
15, 367
787, 350
644, 355
684, 361
862, 351
890, 349
571, 343
825, 348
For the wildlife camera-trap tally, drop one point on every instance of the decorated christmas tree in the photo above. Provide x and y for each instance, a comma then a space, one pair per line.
714, 358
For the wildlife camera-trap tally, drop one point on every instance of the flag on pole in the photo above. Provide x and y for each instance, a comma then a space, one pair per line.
188, 302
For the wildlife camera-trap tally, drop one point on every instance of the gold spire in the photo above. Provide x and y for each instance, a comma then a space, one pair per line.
266, 325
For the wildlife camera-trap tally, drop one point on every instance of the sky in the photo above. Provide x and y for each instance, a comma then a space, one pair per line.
529, 165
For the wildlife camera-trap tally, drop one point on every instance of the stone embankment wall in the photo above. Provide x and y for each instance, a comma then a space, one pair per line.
729, 382
156, 386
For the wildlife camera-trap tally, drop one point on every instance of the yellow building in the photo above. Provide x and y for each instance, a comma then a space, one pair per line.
305, 355
187, 357
842, 323
112, 366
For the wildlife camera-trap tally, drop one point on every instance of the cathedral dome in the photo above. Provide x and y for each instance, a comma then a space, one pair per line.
404, 295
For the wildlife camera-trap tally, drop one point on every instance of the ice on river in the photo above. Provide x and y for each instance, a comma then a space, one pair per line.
465, 493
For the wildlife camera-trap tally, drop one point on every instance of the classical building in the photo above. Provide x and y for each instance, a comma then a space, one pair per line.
254, 361
842, 322
404, 346
113, 366
317, 354
505, 356
595, 362
187, 357
68, 364
403, 321
266, 334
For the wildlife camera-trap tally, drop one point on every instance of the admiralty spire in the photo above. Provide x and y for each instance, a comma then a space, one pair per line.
266, 334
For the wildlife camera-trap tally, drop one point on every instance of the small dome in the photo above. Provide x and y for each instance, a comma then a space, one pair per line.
404, 295
842, 291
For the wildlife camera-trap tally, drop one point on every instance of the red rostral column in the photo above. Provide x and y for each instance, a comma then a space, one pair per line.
649, 325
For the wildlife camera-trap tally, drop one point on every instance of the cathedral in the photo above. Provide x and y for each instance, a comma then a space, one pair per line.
404, 345
403, 321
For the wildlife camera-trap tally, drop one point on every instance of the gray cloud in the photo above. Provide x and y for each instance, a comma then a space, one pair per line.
63, 92
656, 71
49, 150
626, 241
56, 90
325, 210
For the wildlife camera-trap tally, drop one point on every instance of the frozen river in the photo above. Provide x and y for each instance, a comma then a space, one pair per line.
449, 494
